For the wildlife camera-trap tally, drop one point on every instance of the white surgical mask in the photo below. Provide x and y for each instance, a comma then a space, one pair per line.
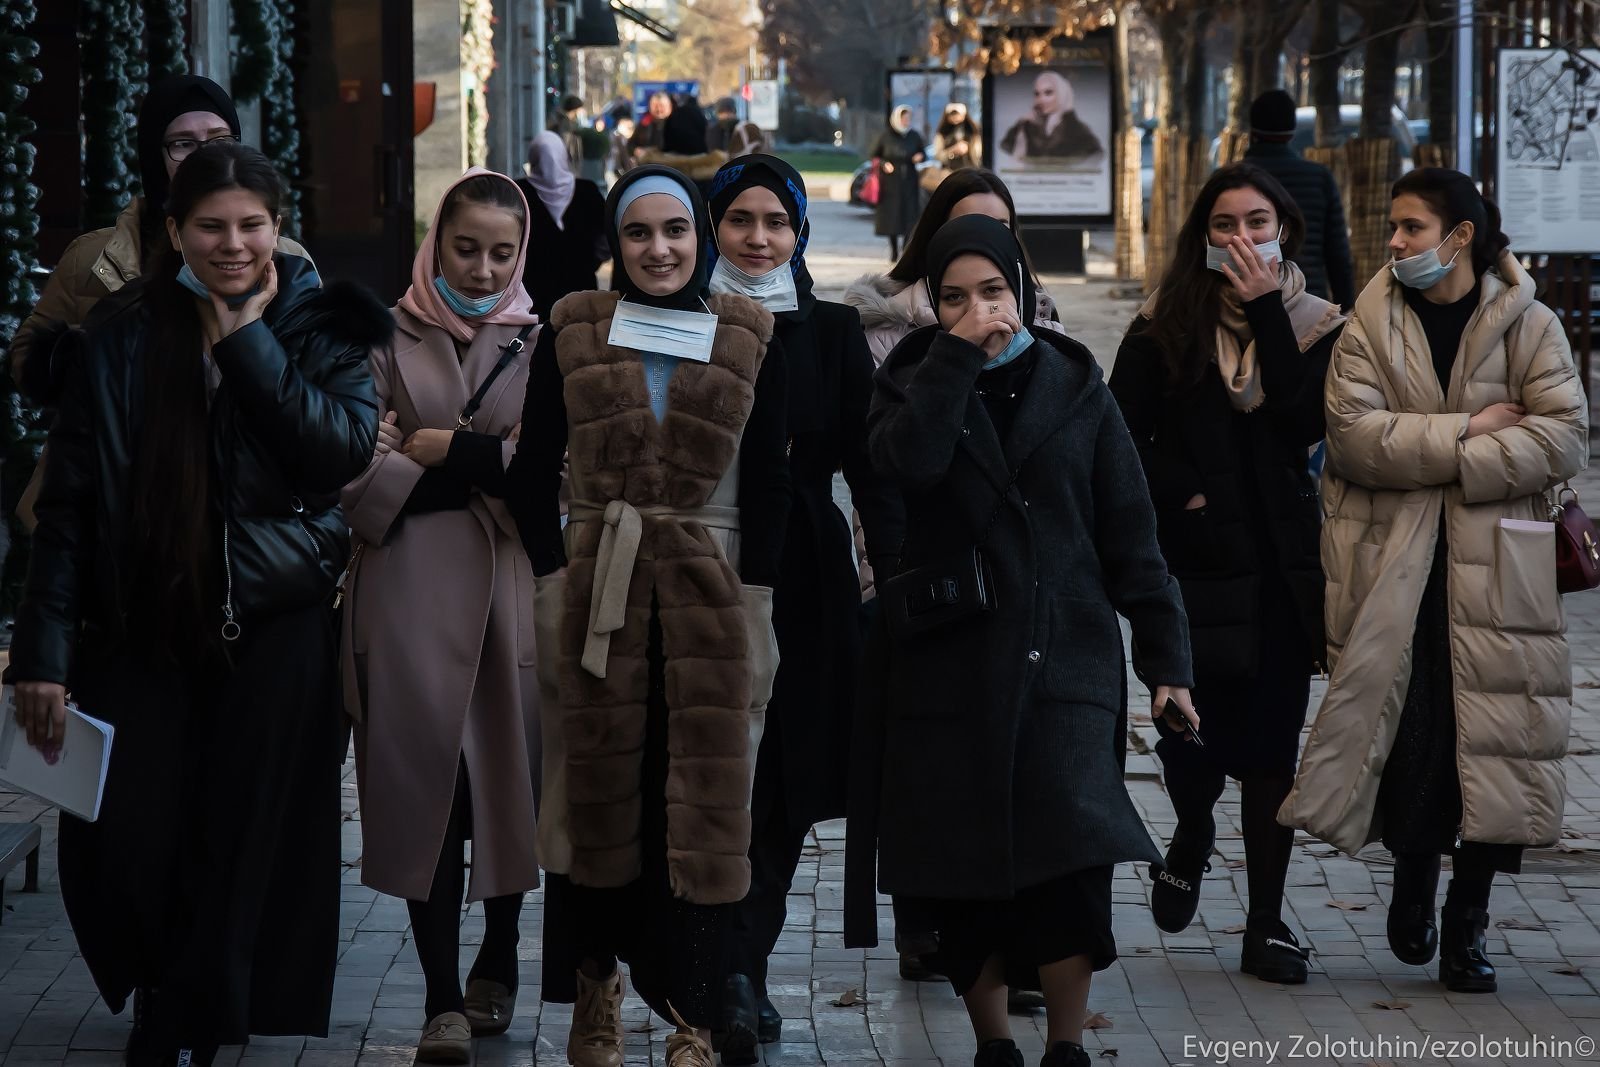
1423, 270
773, 290
665, 331
1269, 251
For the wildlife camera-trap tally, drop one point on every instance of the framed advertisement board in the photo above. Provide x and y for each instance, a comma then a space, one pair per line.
1547, 177
1049, 132
926, 91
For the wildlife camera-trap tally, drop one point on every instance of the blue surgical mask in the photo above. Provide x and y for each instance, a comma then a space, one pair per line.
189, 281
465, 306
1269, 251
1015, 347
1423, 271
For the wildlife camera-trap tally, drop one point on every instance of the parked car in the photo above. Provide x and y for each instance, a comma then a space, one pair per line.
1305, 132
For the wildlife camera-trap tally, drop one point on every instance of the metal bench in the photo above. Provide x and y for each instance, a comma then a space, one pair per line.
19, 841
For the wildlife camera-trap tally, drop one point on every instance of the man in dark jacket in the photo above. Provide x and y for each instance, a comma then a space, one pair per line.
1324, 255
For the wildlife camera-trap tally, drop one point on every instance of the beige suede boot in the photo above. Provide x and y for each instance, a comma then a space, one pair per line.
596, 1036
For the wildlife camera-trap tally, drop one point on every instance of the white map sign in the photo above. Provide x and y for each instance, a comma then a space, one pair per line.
1548, 182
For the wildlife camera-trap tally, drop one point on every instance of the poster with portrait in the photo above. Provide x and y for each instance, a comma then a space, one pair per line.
925, 92
1049, 133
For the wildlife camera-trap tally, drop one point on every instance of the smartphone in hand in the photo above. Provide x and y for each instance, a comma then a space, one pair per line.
1176, 719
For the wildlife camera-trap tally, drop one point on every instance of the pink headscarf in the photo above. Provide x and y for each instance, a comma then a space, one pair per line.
422, 300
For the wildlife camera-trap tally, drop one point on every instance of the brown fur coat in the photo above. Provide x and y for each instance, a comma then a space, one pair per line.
618, 452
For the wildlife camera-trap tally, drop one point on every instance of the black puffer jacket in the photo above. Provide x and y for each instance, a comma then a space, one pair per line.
293, 421
1324, 255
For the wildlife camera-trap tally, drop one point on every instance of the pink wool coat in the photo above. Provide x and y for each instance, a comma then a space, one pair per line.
438, 636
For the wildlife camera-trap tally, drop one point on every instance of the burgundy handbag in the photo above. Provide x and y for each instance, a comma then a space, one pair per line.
1577, 544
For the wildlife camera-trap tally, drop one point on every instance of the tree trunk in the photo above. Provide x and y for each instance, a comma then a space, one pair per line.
1326, 57
1193, 161
1171, 26
1441, 84
1381, 28
1129, 194
1373, 157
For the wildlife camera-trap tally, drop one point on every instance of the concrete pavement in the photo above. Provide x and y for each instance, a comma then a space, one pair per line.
1168, 1000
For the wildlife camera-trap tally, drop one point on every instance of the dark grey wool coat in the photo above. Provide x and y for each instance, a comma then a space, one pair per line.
990, 752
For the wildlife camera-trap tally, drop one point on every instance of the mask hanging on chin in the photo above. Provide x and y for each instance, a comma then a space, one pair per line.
466, 306
774, 290
1424, 271
190, 281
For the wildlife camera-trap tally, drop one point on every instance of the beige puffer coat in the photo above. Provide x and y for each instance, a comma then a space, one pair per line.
1397, 454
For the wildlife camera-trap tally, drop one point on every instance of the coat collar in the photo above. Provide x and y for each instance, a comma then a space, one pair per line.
439, 383
121, 252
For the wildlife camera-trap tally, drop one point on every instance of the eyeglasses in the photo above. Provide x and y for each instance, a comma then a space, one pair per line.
184, 147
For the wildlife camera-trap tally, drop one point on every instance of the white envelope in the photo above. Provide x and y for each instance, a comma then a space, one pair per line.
76, 780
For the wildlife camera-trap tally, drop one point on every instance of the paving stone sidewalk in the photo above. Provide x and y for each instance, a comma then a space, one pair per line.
1163, 998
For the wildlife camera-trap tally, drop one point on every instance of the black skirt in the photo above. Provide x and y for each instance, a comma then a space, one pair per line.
676, 950
1419, 794
213, 873
1043, 924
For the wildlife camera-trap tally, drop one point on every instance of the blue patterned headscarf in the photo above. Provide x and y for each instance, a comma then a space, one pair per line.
768, 172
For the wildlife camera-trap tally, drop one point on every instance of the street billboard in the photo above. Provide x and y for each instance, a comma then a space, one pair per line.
1048, 132
925, 91
764, 104
1547, 179
643, 91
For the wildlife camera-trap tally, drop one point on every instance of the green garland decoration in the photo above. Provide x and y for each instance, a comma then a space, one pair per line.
280, 119
165, 41
19, 226
110, 40
256, 33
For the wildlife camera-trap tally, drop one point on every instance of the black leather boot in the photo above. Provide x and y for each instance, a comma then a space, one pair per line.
769, 1024
1413, 931
1000, 1052
1464, 965
739, 1036
1065, 1054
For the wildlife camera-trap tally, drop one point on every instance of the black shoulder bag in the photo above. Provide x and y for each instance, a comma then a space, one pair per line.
939, 594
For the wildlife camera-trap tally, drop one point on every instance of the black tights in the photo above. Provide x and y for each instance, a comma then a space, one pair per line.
1195, 787
1471, 878
436, 922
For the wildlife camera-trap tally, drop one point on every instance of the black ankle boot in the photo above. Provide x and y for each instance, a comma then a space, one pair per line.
1413, 933
1273, 954
1065, 1054
740, 1025
137, 1052
1175, 889
769, 1024
1464, 965
1000, 1052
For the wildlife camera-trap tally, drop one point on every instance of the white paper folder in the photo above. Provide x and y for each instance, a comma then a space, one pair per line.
76, 780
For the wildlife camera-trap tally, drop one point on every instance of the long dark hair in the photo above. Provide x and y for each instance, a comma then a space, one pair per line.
174, 576
1184, 322
1455, 199
969, 181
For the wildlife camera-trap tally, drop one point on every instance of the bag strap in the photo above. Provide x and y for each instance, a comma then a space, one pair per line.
508, 352
999, 504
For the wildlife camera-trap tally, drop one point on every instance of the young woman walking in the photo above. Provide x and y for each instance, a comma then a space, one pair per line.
896, 153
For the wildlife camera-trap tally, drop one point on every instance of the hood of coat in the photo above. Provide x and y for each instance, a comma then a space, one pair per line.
345, 310
914, 347
888, 303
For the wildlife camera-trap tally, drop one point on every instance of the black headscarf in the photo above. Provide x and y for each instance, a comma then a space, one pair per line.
768, 172
168, 98
994, 241
687, 298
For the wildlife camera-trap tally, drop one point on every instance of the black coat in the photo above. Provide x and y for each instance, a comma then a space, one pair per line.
1324, 255
899, 194
564, 260
293, 421
997, 751
1261, 526
815, 608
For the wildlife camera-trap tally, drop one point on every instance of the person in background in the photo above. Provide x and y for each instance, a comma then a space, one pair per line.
1324, 254
958, 142
896, 153
566, 125
1220, 382
988, 773
650, 131
760, 237
684, 131
622, 130
438, 661
1453, 405
568, 227
662, 652
183, 573
719, 134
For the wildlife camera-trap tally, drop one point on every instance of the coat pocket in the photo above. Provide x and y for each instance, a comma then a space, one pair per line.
1359, 578
1523, 596
527, 613
1083, 663
549, 607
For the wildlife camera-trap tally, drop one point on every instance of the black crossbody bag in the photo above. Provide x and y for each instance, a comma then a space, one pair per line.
939, 594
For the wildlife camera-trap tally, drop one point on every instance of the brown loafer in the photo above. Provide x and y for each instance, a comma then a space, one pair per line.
446, 1039
490, 1006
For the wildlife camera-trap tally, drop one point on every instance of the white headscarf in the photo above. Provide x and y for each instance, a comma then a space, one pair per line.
550, 174
900, 119
1064, 98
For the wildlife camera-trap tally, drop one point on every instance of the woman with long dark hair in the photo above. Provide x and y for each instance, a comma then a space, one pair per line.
653, 603
1220, 381
1453, 405
1019, 476
183, 574
438, 657
758, 211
